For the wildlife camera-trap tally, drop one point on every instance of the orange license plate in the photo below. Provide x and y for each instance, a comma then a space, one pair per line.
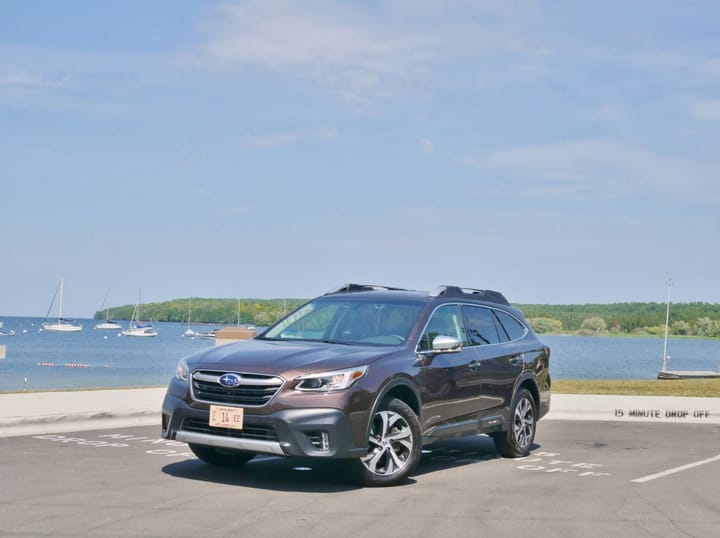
226, 417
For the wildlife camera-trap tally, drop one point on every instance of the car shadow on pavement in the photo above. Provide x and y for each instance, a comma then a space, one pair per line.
328, 476
271, 473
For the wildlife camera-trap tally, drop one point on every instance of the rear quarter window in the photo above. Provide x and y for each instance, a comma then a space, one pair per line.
512, 326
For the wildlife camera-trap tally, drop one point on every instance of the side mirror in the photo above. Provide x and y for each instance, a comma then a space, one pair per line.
446, 344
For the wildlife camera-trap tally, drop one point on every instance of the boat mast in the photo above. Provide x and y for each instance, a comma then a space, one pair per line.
668, 283
61, 299
105, 306
52, 303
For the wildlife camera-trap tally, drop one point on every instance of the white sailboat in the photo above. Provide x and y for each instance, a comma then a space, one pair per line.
62, 325
3, 332
108, 323
137, 327
192, 333
664, 373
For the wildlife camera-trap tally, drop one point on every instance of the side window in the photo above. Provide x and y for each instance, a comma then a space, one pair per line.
445, 321
481, 325
513, 327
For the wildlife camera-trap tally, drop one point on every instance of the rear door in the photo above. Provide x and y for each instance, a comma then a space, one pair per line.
499, 359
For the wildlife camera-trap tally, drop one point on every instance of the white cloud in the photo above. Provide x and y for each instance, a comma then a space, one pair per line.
607, 113
427, 146
359, 52
274, 140
16, 78
597, 169
269, 141
325, 133
708, 110
711, 67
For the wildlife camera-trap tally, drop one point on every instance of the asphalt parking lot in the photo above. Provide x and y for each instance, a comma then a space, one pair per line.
582, 479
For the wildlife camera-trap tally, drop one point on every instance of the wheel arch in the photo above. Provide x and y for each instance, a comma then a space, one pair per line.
530, 385
400, 388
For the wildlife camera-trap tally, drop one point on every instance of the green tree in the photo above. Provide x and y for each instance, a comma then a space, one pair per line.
707, 327
546, 325
593, 325
681, 327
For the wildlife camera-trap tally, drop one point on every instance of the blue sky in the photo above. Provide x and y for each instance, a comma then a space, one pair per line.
562, 152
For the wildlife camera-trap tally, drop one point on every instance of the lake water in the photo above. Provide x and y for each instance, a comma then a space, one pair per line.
120, 361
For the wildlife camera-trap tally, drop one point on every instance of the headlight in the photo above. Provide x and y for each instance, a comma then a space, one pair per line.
329, 381
182, 370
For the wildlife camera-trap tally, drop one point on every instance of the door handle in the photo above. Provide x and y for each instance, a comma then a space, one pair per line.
517, 360
474, 365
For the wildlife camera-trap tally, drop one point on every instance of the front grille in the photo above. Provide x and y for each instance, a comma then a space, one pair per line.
254, 390
249, 431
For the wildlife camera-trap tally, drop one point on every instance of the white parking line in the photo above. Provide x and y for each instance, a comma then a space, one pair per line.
675, 470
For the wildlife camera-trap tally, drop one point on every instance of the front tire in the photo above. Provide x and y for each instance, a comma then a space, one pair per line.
221, 457
517, 441
394, 445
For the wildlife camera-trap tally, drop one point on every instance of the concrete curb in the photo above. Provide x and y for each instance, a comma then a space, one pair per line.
36, 413
635, 408
32, 413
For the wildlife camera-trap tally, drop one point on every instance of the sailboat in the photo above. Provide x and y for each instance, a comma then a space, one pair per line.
664, 373
62, 325
137, 327
108, 323
192, 333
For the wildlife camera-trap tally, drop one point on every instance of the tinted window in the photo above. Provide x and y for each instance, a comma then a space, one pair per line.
481, 326
445, 321
348, 321
513, 327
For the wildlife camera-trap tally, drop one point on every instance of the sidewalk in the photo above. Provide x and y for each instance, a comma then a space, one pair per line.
35, 413
31, 413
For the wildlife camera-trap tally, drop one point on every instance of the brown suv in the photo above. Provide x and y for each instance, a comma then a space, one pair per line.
370, 374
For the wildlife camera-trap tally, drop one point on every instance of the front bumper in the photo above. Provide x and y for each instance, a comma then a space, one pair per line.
323, 433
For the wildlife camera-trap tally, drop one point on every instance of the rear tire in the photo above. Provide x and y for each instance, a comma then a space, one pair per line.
517, 441
394, 446
222, 457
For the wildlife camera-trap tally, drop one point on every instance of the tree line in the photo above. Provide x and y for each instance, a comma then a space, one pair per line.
259, 312
686, 319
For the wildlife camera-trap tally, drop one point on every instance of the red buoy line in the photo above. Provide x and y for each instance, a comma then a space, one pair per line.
66, 365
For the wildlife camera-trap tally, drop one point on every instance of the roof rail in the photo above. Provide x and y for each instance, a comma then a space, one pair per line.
348, 288
456, 291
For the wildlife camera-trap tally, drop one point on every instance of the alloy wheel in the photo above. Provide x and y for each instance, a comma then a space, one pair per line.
390, 444
523, 423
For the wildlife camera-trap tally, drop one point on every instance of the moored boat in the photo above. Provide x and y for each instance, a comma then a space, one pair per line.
61, 325
137, 327
108, 324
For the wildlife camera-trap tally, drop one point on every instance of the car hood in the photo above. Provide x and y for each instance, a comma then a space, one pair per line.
286, 358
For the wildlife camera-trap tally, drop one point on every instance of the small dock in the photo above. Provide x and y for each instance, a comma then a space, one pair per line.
688, 374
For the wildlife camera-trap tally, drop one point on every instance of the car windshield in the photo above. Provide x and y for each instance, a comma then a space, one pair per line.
348, 321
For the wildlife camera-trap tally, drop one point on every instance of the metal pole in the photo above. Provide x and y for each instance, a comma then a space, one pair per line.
667, 321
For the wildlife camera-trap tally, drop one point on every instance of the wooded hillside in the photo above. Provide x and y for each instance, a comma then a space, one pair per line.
700, 319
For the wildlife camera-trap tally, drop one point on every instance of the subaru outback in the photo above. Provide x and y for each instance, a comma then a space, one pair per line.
369, 374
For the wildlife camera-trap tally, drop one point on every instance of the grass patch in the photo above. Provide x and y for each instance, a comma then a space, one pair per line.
709, 388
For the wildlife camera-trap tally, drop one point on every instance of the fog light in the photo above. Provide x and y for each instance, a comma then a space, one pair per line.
320, 440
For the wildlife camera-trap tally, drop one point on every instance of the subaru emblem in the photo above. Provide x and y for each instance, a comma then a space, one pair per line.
229, 380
